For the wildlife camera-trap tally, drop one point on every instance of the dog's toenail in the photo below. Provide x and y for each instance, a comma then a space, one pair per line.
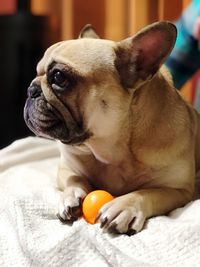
104, 222
131, 232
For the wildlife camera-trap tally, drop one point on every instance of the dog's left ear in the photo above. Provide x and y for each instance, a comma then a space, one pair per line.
88, 32
139, 57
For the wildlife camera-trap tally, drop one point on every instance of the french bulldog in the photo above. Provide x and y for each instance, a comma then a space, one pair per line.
120, 124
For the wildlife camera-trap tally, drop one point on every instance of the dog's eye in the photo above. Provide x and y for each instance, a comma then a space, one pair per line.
59, 79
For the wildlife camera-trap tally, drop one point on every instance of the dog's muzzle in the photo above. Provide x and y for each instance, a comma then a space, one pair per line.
49, 120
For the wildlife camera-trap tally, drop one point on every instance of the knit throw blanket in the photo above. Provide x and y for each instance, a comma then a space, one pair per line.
31, 234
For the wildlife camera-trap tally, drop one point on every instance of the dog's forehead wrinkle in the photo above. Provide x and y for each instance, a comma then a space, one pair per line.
81, 54
41, 66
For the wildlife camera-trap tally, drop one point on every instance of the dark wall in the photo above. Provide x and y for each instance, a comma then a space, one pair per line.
24, 38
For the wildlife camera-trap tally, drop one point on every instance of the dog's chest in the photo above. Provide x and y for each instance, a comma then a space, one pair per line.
119, 181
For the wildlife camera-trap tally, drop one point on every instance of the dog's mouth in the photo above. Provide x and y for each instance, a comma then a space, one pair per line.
45, 121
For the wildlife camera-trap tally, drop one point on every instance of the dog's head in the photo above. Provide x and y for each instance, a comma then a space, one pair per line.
84, 87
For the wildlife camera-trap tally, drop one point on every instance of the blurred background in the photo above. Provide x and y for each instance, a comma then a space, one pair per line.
28, 27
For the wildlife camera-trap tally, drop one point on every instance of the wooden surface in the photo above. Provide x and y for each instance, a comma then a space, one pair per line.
141, 13
116, 27
170, 9
67, 18
113, 19
90, 11
7, 7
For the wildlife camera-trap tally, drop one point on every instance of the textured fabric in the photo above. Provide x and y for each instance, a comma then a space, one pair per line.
31, 235
184, 60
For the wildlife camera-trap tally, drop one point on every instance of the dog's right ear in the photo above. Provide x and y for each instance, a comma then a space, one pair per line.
88, 32
139, 57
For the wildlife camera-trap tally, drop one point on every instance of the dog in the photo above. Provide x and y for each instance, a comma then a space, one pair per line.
120, 124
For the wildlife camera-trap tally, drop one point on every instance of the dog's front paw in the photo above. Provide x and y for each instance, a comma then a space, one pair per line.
70, 206
124, 215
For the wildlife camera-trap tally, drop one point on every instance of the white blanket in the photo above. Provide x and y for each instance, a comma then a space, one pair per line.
31, 234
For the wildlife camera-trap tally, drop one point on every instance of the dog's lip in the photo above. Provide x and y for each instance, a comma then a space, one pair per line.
40, 126
36, 129
77, 139
73, 137
76, 136
27, 117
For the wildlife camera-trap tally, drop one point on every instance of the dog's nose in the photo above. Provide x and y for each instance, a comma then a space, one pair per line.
34, 91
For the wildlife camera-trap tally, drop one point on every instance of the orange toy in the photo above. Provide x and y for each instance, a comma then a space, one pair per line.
92, 204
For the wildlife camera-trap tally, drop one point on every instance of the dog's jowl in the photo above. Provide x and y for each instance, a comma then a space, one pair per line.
120, 124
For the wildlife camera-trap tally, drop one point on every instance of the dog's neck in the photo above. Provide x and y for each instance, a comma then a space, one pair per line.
150, 111
149, 102
147, 113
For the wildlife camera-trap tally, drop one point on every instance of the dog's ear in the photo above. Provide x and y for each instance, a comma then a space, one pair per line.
139, 57
88, 32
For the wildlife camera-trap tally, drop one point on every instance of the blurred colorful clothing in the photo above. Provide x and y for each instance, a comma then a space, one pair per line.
184, 60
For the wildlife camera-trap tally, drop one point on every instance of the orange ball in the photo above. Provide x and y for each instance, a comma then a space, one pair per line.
93, 202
